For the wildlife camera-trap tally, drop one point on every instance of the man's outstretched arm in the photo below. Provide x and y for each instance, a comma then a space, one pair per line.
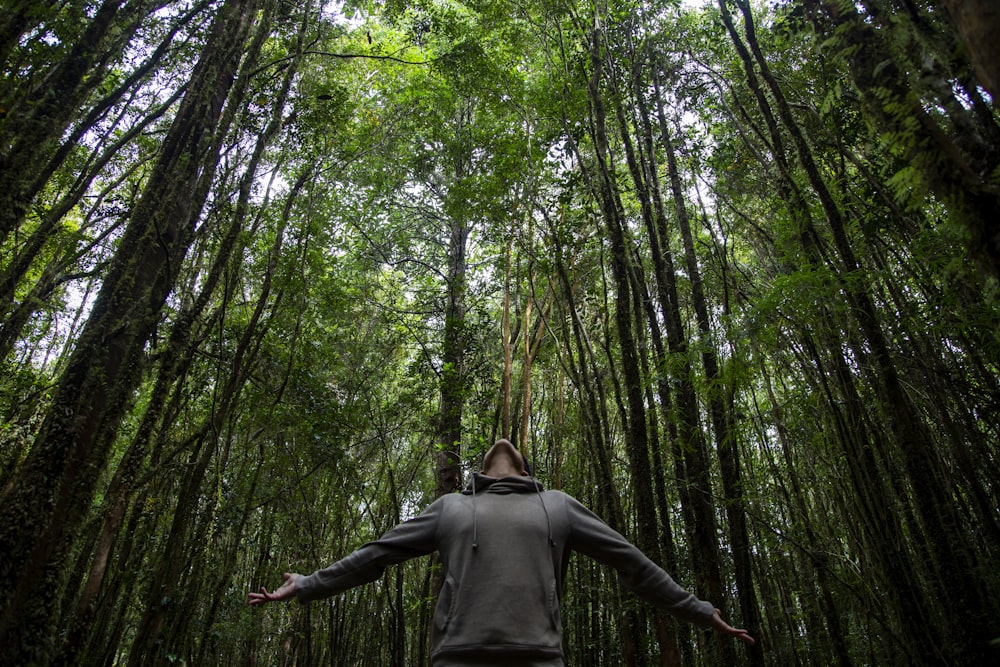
591, 536
412, 538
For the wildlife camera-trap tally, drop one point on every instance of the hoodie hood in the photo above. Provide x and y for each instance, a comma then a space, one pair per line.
482, 484
503, 486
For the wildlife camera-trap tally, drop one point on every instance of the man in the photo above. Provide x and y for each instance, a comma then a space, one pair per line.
504, 545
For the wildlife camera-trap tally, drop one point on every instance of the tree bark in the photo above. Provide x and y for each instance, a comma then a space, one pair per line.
38, 120
16, 269
978, 25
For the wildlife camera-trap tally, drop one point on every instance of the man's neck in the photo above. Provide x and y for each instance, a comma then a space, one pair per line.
503, 460
500, 471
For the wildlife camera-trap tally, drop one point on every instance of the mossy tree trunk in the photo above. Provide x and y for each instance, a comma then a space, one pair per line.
45, 502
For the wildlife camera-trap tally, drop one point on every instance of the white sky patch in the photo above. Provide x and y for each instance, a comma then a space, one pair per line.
65, 326
409, 507
334, 13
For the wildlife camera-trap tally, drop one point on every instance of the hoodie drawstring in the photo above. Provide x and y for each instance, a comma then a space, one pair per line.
475, 522
548, 522
475, 516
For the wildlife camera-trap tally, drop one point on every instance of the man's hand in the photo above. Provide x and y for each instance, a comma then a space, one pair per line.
283, 592
721, 626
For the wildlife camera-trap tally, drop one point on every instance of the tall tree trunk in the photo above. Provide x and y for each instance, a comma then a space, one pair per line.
584, 372
699, 510
978, 24
49, 495
533, 336
449, 461
508, 356
627, 308
666, 407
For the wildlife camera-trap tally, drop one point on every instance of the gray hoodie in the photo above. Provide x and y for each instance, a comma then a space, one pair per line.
504, 544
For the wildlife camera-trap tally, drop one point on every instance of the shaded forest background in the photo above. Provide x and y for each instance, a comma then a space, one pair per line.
275, 274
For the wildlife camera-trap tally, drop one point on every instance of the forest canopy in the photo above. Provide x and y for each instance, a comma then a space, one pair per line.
274, 276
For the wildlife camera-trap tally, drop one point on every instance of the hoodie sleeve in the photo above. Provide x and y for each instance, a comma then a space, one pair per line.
410, 539
592, 537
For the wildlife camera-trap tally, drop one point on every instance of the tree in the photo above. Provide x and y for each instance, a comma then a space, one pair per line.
45, 502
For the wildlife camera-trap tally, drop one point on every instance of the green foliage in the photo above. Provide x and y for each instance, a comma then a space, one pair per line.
296, 415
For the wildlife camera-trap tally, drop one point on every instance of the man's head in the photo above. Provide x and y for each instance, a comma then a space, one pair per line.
503, 460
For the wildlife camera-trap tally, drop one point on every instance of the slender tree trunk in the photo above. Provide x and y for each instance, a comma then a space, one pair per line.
508, 357
700, 511
36, 122
666, 405
719, 393
532, 344
952, 564
584, 373
665, 625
